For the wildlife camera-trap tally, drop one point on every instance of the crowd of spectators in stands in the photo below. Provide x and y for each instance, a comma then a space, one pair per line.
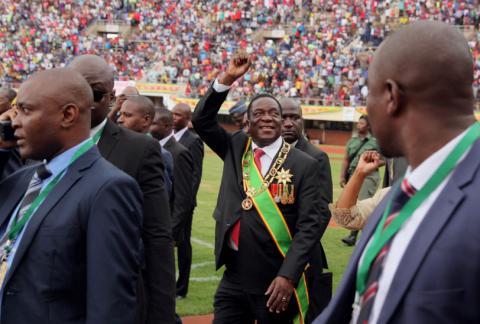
323, 54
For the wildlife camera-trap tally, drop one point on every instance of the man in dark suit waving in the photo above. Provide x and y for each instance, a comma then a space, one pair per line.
140, 157
70, 226
268, 221
185, 136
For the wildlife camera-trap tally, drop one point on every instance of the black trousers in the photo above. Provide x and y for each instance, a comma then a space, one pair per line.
233, 305
184, 255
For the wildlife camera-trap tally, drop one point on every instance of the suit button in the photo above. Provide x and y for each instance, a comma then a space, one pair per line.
228, 224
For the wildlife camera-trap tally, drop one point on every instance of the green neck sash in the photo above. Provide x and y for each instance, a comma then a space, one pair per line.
18, 224
381, 237
98, 134
275, 223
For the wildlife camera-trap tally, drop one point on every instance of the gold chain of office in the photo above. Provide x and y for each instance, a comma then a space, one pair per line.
250, 191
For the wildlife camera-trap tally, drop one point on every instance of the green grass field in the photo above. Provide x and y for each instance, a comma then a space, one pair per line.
204, 279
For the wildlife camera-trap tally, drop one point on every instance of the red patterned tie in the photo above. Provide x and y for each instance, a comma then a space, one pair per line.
368, 297
235, 233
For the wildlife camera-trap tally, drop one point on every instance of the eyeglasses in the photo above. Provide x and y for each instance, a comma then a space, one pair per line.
98, 95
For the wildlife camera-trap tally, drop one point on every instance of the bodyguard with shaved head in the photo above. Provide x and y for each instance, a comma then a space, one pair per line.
139, 156
418, 258
70, 238
182, 115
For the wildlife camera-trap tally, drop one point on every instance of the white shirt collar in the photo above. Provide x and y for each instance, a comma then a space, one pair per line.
178, 135
272, 149
418, 177
164, 140
97, 128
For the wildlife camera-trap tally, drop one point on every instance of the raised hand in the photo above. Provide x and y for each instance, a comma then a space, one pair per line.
237, 67
369, 161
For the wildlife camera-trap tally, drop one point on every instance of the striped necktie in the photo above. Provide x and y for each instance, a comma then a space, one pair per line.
368, 297
34, 188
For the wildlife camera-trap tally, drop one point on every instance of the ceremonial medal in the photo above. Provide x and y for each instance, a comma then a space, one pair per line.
247, 203
284, 176
284, 197
291, 197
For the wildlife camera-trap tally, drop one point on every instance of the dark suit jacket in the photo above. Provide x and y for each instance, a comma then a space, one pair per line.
181, 202
140, 156
168, 161
79, 257
325, 180
438, 279
195, 145
10, 162
258, 261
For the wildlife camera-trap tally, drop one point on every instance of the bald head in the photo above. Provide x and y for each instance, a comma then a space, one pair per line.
93, 68
137, 114
420, 90
99, 76
430, 62
182, 114
130, 91
52, 119
65, 86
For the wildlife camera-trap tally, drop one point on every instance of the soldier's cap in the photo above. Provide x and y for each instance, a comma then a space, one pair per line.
239, 108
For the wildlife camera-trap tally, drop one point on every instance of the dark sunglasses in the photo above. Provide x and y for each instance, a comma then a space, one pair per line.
98, 95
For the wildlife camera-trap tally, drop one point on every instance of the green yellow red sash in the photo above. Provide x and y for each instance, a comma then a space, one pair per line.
258, 193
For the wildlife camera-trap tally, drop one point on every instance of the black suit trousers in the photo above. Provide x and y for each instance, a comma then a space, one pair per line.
233, 305
184, 251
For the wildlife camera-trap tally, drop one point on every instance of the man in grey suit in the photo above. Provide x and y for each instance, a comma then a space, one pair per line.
418, 258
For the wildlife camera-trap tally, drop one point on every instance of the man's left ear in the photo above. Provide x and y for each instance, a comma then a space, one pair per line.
394, 96
70, 114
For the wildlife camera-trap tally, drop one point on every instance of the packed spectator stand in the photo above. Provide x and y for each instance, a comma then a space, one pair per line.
323, 53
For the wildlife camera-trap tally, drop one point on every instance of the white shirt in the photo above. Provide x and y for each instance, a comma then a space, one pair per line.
97, 128
178, 135
270, 152
417, 178
164, 140
218, 87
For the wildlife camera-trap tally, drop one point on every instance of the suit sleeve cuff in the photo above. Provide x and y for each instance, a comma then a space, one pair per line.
218, 87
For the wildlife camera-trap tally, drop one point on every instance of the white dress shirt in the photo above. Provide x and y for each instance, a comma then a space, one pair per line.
417, 178
164, 140
270, 152
178, 135
218, 87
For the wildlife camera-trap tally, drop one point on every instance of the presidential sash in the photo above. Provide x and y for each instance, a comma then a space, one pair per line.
256, 189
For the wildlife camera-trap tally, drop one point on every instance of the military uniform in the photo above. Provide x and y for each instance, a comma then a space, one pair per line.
354, 146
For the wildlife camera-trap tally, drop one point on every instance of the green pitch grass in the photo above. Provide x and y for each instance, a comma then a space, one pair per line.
204, 279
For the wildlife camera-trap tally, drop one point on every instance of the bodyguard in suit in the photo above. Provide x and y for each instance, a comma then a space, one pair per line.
70, 226
418, 258
137, 114
265, 234
292, 133
181, 202
182, 116
139, 156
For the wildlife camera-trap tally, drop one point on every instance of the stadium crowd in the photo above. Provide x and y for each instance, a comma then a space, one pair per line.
324, 53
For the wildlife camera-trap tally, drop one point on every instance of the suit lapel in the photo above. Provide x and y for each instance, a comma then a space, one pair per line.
169, 144
437, 217
16, 193
109, 139
65, 184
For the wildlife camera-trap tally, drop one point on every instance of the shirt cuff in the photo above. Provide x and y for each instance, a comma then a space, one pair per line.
218, 87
